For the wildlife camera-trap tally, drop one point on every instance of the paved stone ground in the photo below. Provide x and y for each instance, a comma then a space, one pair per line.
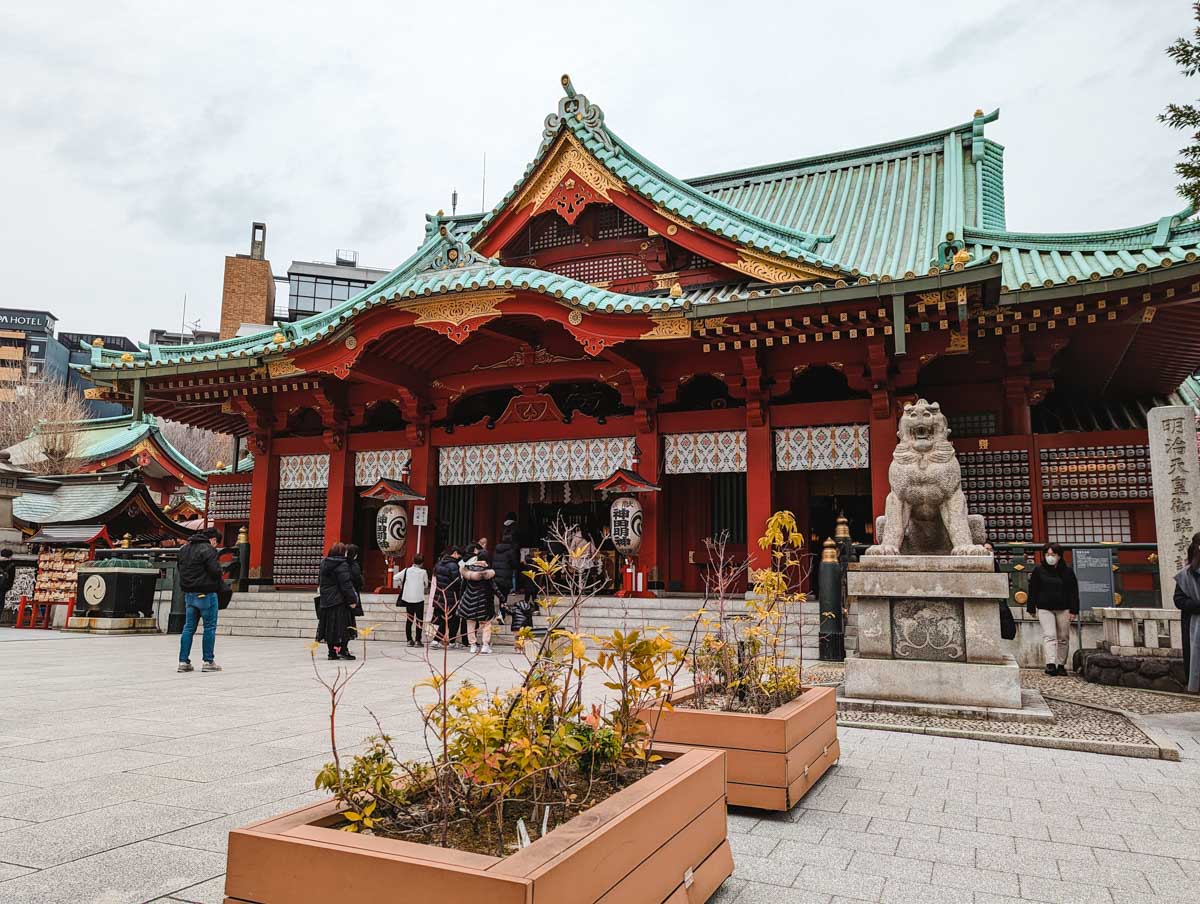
120, 778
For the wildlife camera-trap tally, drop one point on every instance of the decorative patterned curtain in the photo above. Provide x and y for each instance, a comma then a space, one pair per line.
569, 459
822, 448
371, 467
706, 453
303, 472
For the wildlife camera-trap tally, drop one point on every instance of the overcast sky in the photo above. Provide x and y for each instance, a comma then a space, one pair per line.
140, 139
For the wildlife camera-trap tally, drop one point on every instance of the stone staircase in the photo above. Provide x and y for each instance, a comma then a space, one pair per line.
273, 613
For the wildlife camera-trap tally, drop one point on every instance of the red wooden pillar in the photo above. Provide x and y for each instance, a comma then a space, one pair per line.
339, 504
264, 500
422, 477
649, 467
760, 474
1017, 418
882, 438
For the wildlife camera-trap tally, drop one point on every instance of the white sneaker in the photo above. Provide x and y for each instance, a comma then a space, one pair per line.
474, 648
185, 667
435, 645
487, 648
210, 667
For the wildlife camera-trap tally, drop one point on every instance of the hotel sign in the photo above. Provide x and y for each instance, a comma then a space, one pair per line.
29, 321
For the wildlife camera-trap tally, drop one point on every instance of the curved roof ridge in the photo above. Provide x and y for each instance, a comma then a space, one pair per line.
1178, 222
852, 156
585, 121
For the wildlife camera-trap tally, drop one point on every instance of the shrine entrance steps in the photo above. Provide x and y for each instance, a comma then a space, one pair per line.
277, 613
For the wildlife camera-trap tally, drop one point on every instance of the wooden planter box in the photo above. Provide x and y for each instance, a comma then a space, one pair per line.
773, 759
663, 839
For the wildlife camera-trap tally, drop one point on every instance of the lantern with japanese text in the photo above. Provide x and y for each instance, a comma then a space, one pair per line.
625, 519
391, 529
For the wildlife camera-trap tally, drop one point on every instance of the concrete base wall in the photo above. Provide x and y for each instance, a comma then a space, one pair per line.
923, 681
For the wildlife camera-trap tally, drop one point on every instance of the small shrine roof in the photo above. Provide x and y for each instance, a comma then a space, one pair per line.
101, 438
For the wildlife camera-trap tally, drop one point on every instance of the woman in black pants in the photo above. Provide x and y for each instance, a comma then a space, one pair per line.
338, 597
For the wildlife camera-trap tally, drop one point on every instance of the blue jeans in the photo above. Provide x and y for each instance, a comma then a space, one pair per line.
199, 606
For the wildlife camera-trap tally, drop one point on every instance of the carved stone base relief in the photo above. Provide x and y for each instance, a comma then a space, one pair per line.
929, 630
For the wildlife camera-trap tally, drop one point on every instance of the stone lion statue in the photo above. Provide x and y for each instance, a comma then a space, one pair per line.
926, 511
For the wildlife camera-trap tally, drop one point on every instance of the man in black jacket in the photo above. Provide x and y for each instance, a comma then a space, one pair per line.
200, 580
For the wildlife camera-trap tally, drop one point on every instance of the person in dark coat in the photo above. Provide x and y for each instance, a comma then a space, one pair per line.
354, 560
477, 604
444, 589
1053, 599
8, 573
335, 624
523, 610
505, 562
200, 580
1187, 601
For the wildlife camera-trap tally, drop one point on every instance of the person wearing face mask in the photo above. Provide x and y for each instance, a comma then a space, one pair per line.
1054, 598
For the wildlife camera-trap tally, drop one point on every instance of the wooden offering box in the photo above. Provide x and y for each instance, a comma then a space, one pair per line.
662, 840
773, 759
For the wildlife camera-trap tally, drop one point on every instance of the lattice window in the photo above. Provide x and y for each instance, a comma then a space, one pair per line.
1096, 472
976, 423
613, 223
997, 486
1089, 526
554, 234
601, 269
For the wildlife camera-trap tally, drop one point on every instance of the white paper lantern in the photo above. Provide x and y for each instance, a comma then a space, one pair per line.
391, 529
625, 520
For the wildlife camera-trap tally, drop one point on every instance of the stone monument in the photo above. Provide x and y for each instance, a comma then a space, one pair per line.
927, 596
1175, 472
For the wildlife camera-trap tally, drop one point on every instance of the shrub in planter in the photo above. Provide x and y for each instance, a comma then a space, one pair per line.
747, 697
523, 795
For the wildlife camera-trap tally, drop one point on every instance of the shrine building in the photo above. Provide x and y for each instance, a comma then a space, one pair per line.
743, 341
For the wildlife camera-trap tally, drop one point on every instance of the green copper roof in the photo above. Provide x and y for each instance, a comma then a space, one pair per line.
100, 438
585, 121
887, 207
1033, 260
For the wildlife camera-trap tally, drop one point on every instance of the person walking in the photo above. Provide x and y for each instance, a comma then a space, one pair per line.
200, 580
1054, 598
338, 597
1187, 601
523, 609
505, 561
477, 605
444, 591
414, 586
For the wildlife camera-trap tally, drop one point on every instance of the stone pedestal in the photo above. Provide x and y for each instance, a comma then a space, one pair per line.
929, 632
97, 625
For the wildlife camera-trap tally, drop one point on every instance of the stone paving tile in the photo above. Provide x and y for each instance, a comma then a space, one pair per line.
11, 871
213, 834
861, 841
49, 751
837, 882
897, 891
134, 873
890, 867
1052, 891
45, 804
1046, 867
767, 870
47, 844
970, 877
28, 772
1027, 847
902, 829
937, 851
967, 838
752, 845
817, 854
756, 893
1106, 874
728, 891
210, 892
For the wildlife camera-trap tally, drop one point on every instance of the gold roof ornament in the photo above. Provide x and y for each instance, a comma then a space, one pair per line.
127, 357
962, 256
279, 339
978, 112
97, 342
220, 465
676, 290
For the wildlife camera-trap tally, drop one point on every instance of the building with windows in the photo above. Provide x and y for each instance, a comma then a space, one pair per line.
744, 341
313, 287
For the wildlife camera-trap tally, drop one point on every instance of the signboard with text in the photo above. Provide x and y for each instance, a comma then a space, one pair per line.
26, 321
1094, 571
